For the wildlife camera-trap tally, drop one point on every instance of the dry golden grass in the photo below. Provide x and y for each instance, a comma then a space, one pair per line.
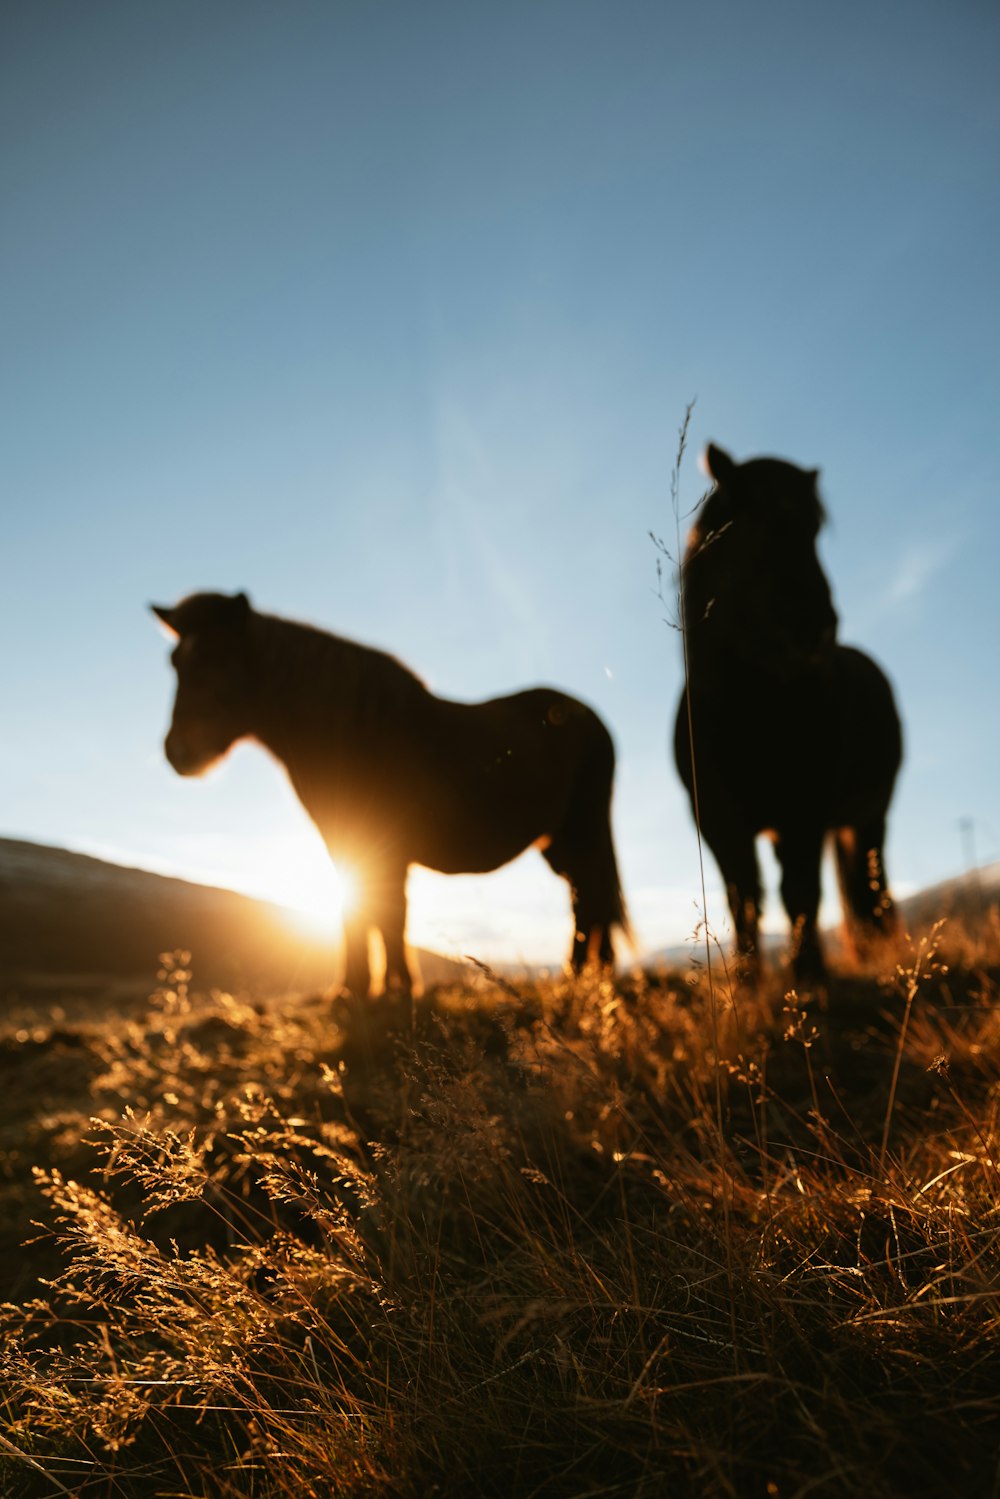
567, 1239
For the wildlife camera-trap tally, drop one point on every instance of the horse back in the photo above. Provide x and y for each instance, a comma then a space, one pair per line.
866, 737
488, 779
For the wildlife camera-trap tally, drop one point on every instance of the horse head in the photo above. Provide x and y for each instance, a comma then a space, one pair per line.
754, 589
215, 680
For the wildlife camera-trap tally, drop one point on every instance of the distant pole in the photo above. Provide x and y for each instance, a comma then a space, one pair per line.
967, 828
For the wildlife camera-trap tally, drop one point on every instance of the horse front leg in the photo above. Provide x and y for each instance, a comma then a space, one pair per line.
357, 967
800, 853
735, 852
389, 915
723, 822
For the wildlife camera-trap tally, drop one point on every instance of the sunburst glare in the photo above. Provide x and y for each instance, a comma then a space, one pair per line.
297, 874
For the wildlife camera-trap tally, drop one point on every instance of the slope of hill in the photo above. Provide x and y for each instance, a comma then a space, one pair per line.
69, 920
966, 897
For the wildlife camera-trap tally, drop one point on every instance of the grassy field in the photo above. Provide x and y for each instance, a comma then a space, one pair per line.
559, 1239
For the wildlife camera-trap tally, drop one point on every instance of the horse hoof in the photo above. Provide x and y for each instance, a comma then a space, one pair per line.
810, 973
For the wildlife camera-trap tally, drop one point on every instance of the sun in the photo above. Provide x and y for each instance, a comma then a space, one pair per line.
316, 902
298, 875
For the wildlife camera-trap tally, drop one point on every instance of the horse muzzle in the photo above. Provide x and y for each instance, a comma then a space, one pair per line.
183, 757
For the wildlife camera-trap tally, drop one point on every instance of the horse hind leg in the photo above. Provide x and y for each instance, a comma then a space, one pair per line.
593, 920
591, 870
869, 912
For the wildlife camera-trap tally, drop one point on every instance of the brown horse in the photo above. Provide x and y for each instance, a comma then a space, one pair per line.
393, 776
792, 734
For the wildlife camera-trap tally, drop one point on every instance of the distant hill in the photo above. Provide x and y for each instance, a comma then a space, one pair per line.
69, 921
967, 897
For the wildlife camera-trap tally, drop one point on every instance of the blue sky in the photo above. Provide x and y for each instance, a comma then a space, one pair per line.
389, 314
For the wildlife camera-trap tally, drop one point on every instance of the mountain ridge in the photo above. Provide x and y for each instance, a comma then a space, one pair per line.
69, 919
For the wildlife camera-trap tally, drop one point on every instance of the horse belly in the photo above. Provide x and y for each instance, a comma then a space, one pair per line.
488, 811
821, 777
780, 760
474, 839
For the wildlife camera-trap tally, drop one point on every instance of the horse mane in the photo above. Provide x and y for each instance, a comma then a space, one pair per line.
351, 686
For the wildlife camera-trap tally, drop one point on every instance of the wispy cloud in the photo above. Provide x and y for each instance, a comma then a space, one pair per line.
909, 576
473, 491
917, 566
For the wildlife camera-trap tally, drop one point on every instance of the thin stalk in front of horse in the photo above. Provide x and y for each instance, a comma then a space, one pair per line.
781, 730
393, 775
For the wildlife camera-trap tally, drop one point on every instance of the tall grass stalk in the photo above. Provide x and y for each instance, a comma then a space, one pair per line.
675, 504
922, 966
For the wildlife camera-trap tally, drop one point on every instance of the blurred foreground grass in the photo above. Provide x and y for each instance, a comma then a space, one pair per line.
571, 1238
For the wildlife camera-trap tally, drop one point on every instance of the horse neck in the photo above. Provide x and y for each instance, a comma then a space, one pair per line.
705, 656
711, 668
319, 692
714, 665
717, 670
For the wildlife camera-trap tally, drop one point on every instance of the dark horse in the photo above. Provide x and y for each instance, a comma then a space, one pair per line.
393, 776
793, 734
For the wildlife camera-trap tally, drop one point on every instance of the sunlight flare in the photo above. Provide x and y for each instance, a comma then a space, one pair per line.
296, 873
316, 899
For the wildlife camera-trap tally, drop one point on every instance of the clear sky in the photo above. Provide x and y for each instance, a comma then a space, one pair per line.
389, 314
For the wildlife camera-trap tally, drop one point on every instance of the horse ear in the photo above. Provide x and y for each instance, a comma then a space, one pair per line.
719, 466
241, 606
166, 617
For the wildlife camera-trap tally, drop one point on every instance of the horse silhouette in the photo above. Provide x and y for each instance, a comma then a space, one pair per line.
394, 776
780, 729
